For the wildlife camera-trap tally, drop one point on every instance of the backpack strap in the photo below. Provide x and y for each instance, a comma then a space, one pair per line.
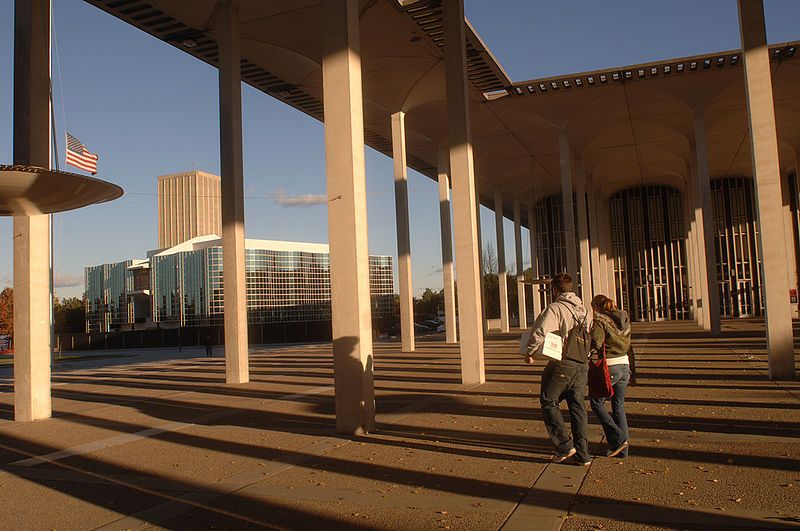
574, 316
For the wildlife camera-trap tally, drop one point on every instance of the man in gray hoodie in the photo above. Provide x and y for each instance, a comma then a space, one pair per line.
565, 379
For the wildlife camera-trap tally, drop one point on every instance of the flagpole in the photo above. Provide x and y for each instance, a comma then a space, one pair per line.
55, 158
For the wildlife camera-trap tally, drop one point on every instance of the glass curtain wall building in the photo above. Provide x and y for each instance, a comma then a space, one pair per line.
286, 282
107, 295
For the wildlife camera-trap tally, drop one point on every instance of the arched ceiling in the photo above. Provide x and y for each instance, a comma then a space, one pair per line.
629, 125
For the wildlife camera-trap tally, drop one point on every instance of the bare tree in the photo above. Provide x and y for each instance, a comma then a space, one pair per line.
489, 259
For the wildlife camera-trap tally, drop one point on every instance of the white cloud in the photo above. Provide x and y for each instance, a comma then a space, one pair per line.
67, 280
302, 200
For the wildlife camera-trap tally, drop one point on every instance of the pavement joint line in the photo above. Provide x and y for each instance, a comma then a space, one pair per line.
150, 432
558, 497
551, 518
195, 499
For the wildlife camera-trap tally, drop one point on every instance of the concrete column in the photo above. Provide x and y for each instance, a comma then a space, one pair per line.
502, 274
607, 244
537, 302
523, 311
464, 197
481, 264
788, 231
691, 249
232, 188
403, 236
766, 169
451, 335
565, 158
347, 217
32, 348
594, 239
583, 236
704, 214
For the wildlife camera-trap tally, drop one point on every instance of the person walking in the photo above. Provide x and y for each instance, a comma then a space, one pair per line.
611, 336
209, 344
563, 379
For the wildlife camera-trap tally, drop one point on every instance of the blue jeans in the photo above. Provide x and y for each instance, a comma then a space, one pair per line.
615, 425
565, 380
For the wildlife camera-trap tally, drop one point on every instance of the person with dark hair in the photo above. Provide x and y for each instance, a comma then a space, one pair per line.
563, 379
611, 337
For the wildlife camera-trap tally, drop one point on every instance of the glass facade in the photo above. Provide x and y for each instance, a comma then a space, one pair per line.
107, 287
735, 240
551, 251
648, 239
283, 286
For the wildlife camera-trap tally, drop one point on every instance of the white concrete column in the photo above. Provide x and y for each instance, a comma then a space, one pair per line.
347, 217
583, 236
594, 239
608, 244
788, 231
502, 274
403, 236
464, 197
704, 214
766, 169
565, 159
481, 264
691, 248
451, 335
537, 302
523, 311
32, 348
232, 188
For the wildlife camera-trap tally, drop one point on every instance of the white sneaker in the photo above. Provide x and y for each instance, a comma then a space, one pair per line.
559, 458
618, 450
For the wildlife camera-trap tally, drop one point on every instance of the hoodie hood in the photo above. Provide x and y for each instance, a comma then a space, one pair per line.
575, 304
619, 318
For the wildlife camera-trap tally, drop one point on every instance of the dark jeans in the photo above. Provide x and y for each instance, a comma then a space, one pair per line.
565, 380
615, 425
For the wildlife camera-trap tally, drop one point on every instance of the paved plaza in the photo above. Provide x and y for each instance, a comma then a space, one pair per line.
715, 444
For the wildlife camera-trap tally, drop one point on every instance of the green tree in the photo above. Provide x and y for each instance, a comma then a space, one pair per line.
428, 305
7, 312
69, 315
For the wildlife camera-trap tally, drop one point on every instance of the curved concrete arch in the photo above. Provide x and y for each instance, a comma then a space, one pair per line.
427, 88
677, 183
672, 141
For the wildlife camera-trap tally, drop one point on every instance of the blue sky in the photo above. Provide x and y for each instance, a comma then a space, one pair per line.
149, 109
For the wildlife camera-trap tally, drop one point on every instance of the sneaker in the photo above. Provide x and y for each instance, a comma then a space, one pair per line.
559, 458
618, 450
581, 462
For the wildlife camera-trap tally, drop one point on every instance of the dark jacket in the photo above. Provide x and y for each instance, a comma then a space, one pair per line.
613, 329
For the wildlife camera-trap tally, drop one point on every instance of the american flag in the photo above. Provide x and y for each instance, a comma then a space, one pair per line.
79, 156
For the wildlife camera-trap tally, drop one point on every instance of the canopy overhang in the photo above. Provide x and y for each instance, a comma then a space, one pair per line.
628, 125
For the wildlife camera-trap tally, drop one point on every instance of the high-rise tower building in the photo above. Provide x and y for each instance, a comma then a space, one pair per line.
188, 206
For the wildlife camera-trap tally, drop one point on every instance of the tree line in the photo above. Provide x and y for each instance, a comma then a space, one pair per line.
69, 314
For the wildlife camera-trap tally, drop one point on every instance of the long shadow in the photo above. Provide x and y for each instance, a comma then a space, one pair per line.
129, 499
456, 406
283, 422
242, 392
318, 423
712, 403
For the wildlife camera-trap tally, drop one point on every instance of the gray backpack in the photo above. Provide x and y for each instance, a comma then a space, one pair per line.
578, 342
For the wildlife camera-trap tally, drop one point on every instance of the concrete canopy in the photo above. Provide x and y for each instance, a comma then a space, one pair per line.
629, 125
29, 191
